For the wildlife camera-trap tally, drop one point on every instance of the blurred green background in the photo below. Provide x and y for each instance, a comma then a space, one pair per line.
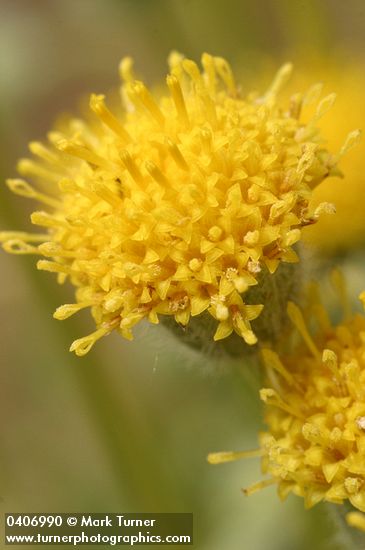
128, 427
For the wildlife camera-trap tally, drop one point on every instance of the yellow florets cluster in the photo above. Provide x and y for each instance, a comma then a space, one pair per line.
315, 412
173, 206
315, 446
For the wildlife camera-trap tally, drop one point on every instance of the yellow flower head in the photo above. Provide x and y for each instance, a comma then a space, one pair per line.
175, 204
315, 412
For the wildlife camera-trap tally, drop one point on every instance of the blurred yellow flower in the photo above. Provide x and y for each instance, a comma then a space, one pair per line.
357, 520
315, 411
174, 206
346, 229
